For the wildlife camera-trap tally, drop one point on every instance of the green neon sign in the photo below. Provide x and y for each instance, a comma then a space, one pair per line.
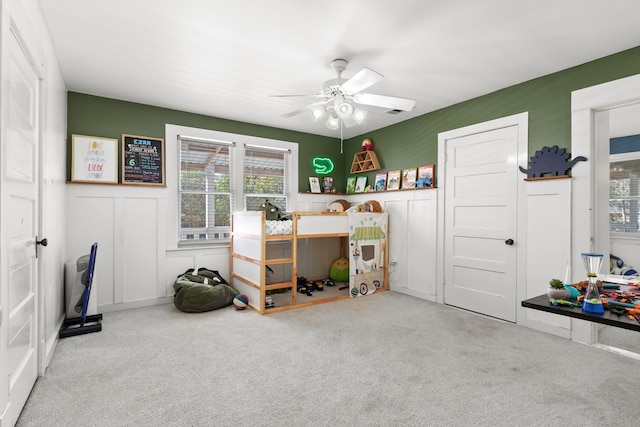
322, 165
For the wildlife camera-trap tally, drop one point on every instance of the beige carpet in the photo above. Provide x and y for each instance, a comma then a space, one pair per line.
382, 360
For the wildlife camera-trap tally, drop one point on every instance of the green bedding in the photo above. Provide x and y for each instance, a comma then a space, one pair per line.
202, 290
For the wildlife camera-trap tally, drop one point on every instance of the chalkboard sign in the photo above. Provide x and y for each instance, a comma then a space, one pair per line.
142, 160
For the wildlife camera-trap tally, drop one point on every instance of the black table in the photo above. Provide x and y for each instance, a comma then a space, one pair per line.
608, 318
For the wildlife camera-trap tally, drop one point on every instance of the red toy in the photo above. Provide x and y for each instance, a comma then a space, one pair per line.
366, 145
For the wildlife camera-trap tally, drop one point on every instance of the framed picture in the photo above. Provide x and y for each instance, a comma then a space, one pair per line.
409, 178
361, 183
351, 185
425, 177
327, 184
94, 159
393, 180
314, 184
142, 160
381, 181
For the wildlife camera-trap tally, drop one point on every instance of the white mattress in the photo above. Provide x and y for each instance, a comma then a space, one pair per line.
279, 227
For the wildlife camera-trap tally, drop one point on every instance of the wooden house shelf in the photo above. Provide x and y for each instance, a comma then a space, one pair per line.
365, 161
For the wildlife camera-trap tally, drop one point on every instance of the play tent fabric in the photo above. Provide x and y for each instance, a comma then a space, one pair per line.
367, 240
202, 290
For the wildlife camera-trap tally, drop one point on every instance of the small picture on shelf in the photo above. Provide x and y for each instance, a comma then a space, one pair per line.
409, 178
327, 184
425, 177
381, 181
361, 183
351, 185
314, 184
393, 180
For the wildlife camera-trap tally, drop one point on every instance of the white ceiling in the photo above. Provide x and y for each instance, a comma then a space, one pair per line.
224, 58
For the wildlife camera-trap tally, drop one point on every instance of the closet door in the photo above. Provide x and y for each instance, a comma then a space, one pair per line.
19, 225
481, 222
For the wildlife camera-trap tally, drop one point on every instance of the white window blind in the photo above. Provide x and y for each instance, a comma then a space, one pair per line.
624, 193
206, 188
266, 176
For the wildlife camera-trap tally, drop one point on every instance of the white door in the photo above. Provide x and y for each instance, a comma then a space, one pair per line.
480, 222
19, 222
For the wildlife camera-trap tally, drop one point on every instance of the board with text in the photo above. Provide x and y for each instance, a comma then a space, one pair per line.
142, 160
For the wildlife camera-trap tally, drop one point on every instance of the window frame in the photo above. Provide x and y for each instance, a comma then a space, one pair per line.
287, 185
621, 157
231, 146
173, 176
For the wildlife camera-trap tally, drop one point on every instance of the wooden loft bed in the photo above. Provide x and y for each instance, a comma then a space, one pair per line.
257, 248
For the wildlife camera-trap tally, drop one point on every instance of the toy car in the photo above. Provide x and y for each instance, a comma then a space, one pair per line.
328, 282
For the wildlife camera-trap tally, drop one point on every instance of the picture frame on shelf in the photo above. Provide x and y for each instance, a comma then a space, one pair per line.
327, 184
393, 180
94, 159
142, 161
361, 183
381, 181
425, 176
314, 184
409, 178
351, 184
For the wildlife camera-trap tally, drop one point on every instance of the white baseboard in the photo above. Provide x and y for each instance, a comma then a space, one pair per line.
414, 293
110, 308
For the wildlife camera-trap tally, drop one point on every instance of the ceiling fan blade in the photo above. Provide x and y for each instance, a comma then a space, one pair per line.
305, 108
315, 95
390, 102
350, 122
293, 113
362, 80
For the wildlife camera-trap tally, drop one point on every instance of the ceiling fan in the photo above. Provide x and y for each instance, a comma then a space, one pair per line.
340, 98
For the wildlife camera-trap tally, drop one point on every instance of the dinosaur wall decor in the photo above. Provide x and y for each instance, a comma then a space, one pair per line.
552, 161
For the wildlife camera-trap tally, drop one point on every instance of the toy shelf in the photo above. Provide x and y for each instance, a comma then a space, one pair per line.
365, 161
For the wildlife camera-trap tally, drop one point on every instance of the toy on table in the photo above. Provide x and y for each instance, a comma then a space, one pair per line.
573, 292
558, 301
591, 303
634, 313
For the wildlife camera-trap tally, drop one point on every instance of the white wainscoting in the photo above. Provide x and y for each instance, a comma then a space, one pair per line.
128, 224
548, 247
135, 268
412, 235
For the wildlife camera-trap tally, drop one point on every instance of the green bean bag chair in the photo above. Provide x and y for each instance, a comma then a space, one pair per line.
202, 290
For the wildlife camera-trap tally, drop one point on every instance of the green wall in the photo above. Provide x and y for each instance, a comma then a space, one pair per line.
408, 144
110, 118
547, 99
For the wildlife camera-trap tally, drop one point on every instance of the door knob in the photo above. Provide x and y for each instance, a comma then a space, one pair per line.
508, 242
43, 242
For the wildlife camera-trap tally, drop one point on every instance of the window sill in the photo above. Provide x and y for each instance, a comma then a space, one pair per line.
624, 236
198, 246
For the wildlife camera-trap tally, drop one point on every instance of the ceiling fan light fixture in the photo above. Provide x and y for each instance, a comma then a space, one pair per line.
359, 115
333, 122
317, 112
344, 109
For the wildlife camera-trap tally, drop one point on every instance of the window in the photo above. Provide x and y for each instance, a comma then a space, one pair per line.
624, 192
266, 174
225, 173
205, 189
624, 184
